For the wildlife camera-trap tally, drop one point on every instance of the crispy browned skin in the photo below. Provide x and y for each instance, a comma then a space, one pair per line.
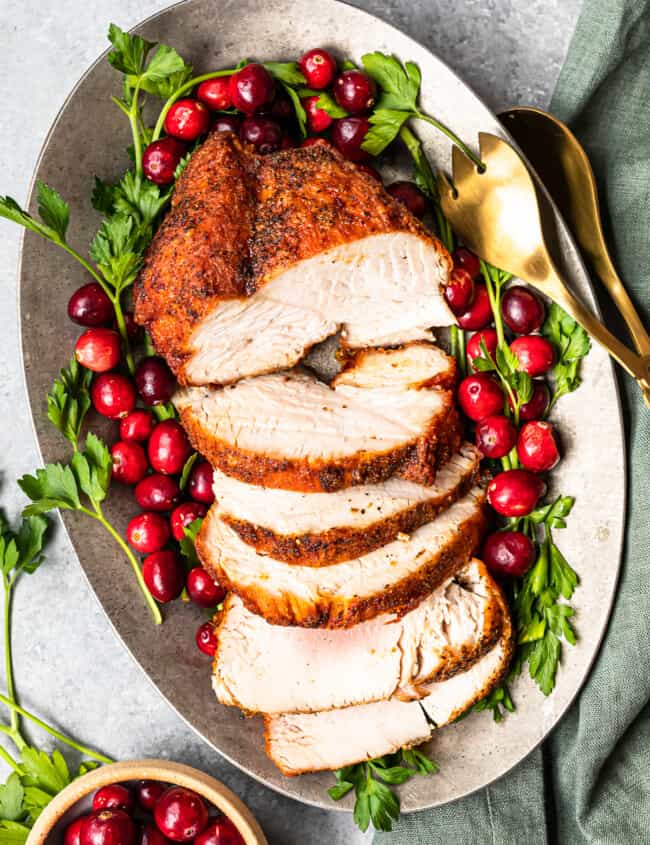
336, 544
416, 461
199, 254
352, 359
237, 219
331, 611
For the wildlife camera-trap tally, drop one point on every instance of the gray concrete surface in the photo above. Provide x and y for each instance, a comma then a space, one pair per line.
510, 51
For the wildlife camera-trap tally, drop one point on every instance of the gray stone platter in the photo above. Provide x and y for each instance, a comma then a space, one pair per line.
90, 137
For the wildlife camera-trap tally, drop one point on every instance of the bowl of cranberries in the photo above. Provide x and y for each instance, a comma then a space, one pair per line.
146, 802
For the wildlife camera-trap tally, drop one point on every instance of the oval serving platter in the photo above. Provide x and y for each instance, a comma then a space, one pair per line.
476, 751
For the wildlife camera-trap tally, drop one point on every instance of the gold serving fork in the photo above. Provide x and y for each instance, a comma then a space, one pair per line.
496, 214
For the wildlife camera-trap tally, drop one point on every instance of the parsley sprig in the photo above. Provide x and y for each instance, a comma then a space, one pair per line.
36, 776
82, 486
375, 801
572, 344
398, 102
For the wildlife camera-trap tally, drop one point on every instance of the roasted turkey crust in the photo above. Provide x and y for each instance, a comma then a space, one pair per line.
338, 611
343, 543
416, 461
238, 219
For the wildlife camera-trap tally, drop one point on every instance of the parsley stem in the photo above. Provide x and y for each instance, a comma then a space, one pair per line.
82, 749
151, 602
121, 326
9, 760
462, 354
9, 672
494, 295
453, 341
452, 137
179, 93
133, 121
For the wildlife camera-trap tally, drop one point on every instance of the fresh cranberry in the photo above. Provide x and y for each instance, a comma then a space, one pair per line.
168, 448
410, 195
202, 588
137, 425
459, 291
180, 814
155, 381
108, 827
164, 575
148, 792
318, 120
89, 305
262, 132
509, 553
157, 492
479, 314
72, 835
495, 436
206, 639
318, 67
281, 109
537, 446
113, 395
160, 160
200, 483
515, 492
226, 123
534, 353
466, 260
150, 835
147, 532
214, 93
487, 337
251, 88
480, 396
98, 349
220, 831
133, 330
129, 462
114, 796
355, 91
536, 405
185, 515
187, 120
288, 143
371, 171
523, 311
347, 136
315, 142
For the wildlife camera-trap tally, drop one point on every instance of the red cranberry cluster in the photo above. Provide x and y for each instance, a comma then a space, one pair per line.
150, 813
149, 456
265, 118
514, 492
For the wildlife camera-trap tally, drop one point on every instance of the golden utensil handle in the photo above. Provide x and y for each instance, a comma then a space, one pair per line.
638, 366
610, 279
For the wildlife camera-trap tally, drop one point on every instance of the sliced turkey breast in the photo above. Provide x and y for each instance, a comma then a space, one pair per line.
290, 430
309, 742
315, 529
412, 365
387, 656
397, 575
261, 257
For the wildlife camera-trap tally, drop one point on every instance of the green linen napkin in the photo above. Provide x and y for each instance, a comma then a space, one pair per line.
590, 782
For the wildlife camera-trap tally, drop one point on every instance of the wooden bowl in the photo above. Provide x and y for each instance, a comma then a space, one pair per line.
75, 798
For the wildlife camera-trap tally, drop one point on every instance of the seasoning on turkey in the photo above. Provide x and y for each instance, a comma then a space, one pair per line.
261, 257
395, 576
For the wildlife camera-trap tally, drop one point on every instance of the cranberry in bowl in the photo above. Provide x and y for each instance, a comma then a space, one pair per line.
222, 807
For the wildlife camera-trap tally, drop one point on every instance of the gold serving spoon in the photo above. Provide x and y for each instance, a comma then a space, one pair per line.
562, 164
496, 214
